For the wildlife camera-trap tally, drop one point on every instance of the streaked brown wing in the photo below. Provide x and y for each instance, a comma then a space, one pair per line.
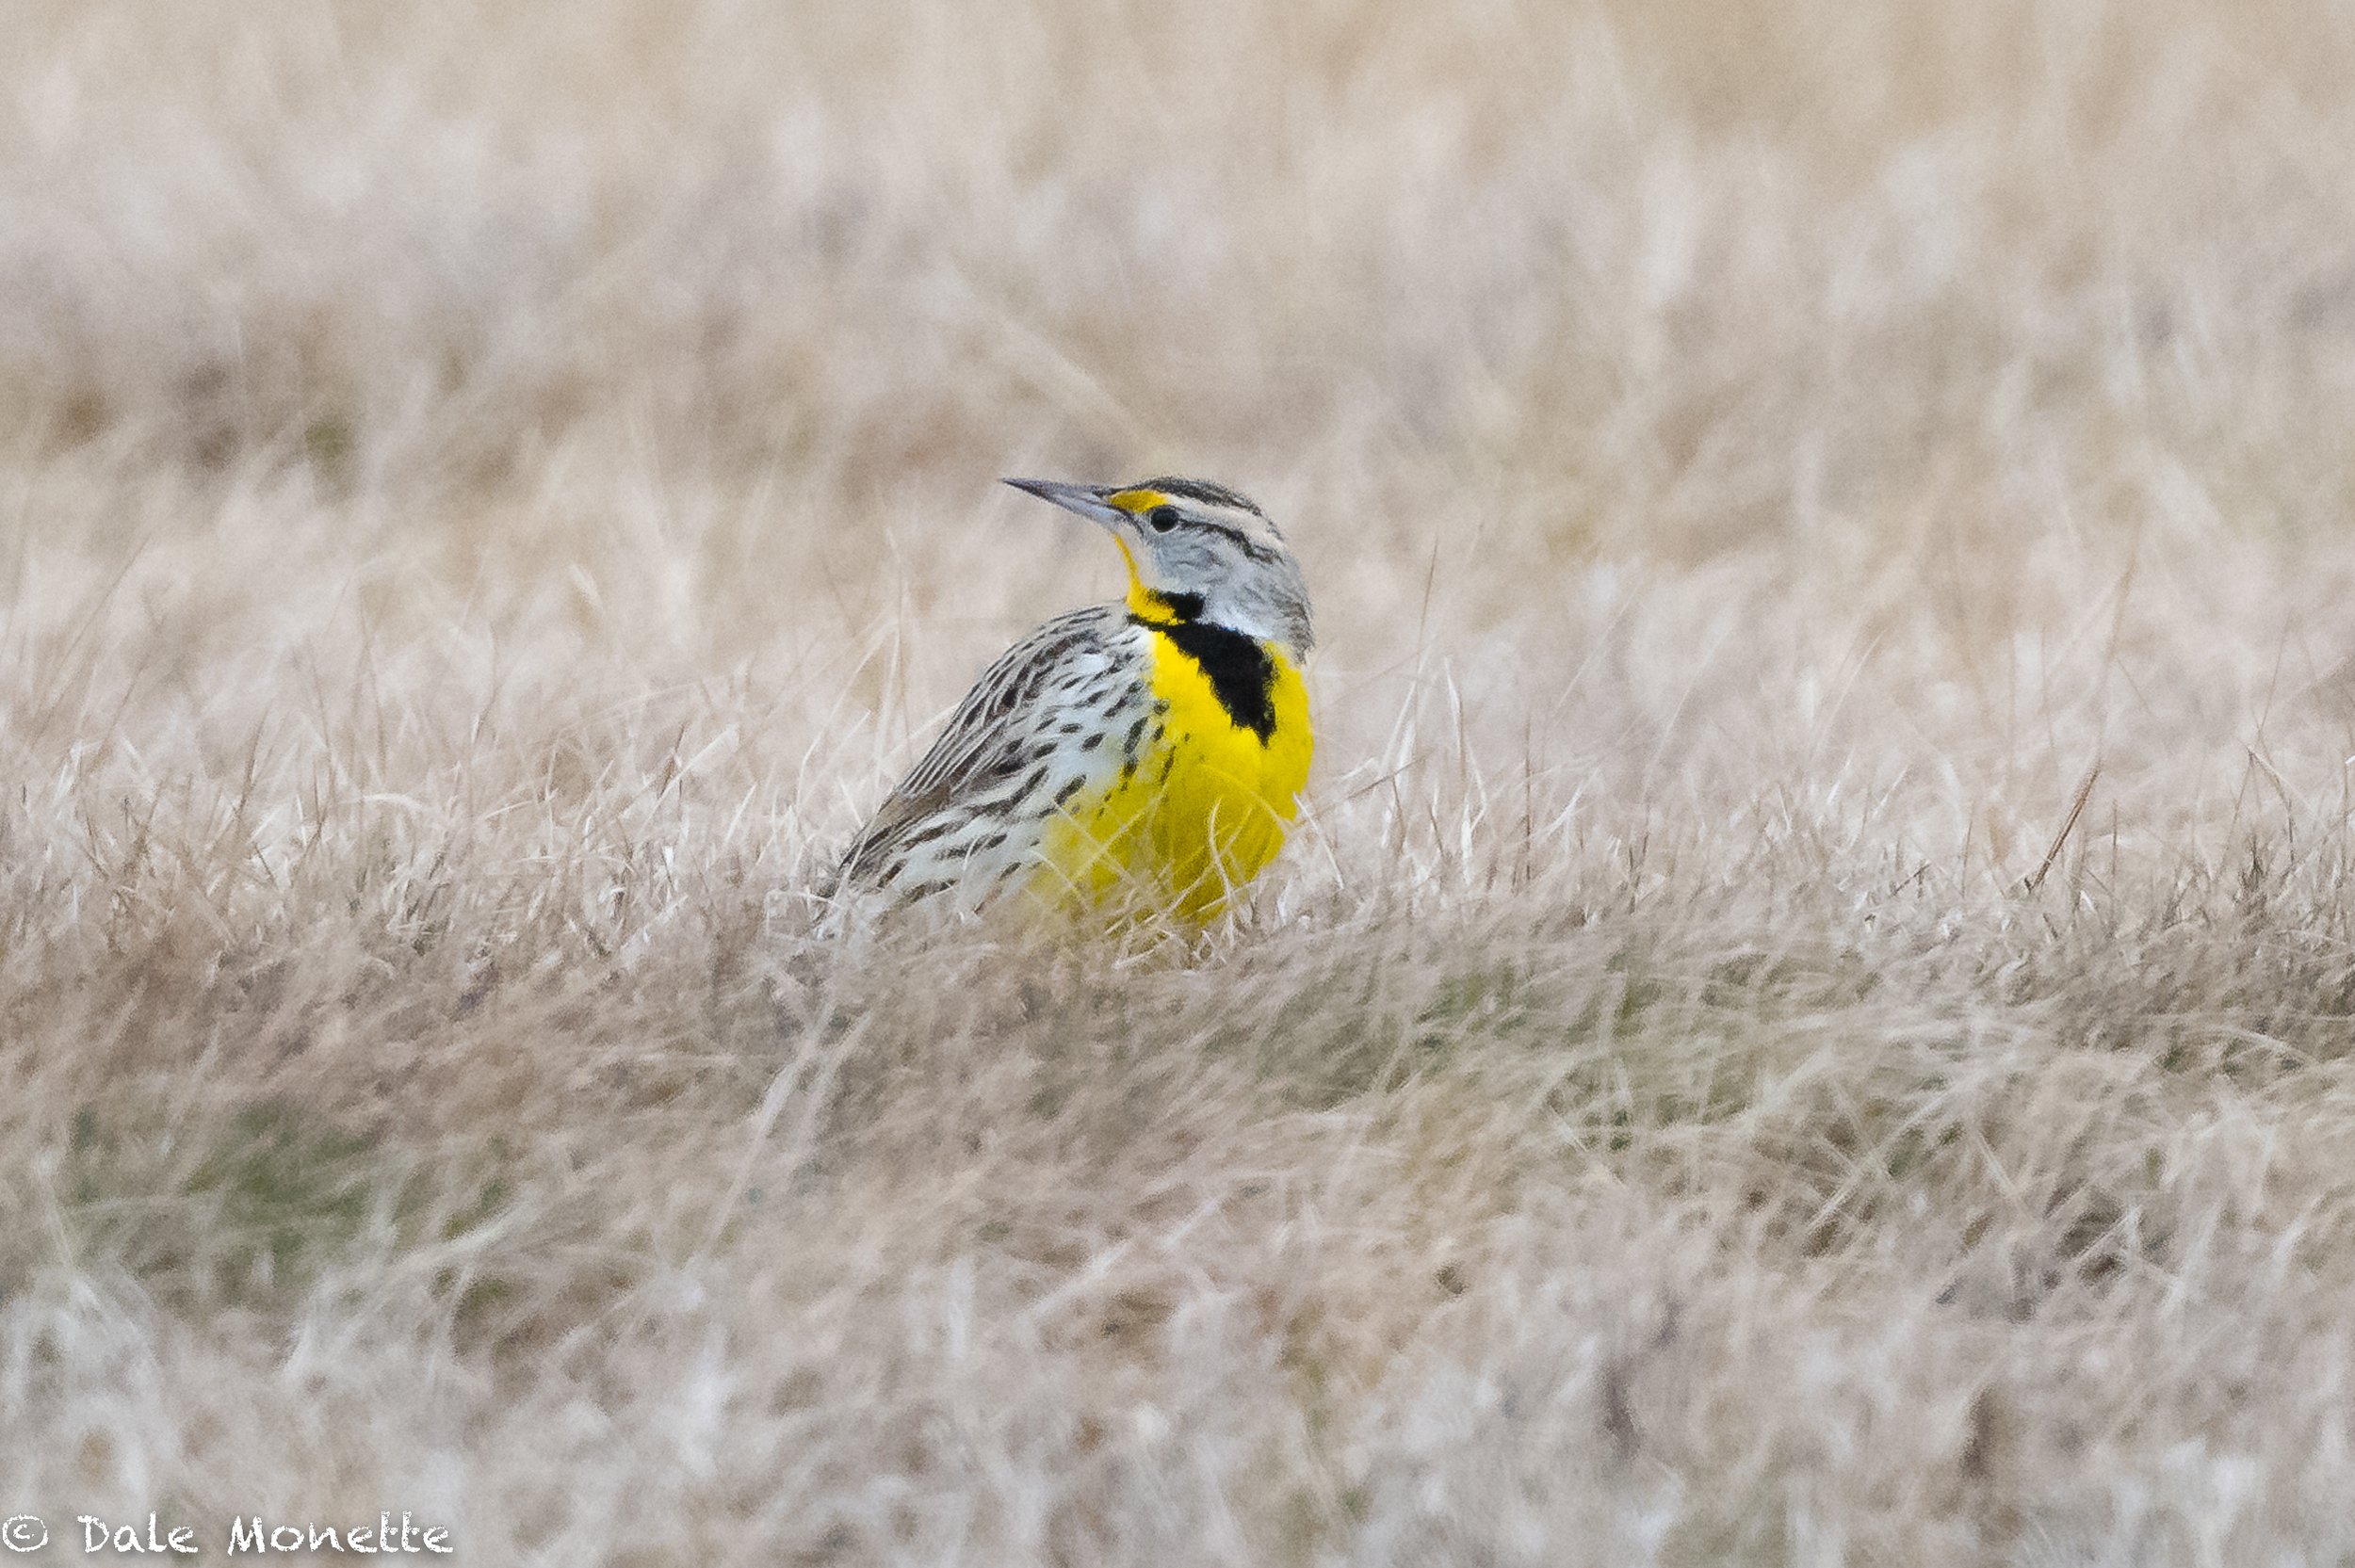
1001, 728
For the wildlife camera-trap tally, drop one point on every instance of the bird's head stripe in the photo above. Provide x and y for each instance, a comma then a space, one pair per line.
1142, 500
1203, 491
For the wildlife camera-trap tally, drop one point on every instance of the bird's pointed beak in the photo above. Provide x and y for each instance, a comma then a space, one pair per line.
1087, 500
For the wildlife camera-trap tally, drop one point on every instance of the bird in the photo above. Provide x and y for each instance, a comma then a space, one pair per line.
1145, 757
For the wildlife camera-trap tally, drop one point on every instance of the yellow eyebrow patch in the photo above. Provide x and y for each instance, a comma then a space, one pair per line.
1135, 501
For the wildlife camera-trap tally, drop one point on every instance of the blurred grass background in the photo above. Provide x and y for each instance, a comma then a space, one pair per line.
490, 493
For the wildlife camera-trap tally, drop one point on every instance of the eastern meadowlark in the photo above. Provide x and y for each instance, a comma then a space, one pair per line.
1149, 753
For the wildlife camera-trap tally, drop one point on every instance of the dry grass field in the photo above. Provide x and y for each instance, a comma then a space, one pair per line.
490, 493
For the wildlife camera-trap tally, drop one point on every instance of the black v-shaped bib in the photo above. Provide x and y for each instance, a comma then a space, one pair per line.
1241, 675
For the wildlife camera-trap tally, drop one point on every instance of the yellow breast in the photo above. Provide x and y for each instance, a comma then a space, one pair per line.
1206, 805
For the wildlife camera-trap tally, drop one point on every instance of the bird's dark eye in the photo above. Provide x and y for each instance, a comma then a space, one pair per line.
1162, 519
